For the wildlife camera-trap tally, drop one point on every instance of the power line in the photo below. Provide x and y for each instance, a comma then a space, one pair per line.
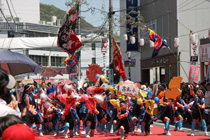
6, 20
191, 7
185, 4
13, 8
10, 11
160, 9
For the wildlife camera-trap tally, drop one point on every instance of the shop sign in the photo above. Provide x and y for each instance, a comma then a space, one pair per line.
204, 53
194, 73
130, 62
160, 61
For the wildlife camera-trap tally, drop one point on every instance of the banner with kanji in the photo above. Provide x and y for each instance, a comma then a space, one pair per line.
129, 89
194, 73
67, 39
118, 60
72, 61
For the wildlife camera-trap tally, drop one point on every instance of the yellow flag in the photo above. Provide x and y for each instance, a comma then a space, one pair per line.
149, 106
143, 93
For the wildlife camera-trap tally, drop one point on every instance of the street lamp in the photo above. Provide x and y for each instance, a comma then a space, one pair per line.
129, 68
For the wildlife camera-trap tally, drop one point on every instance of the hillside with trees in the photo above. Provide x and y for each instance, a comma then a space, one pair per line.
47, 11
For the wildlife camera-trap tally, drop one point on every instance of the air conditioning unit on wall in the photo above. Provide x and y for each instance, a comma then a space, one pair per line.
17, 19
9, 18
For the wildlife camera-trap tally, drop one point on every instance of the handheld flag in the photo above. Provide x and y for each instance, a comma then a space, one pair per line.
67, 39
173, 88
158, 42
118, 60
72, 61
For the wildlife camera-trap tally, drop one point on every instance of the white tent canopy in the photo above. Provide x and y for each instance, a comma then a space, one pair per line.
36, 42
27, 42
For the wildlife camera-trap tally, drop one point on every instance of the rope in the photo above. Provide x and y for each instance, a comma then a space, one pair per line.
185, 75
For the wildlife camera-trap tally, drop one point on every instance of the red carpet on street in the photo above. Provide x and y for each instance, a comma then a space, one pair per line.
157, 134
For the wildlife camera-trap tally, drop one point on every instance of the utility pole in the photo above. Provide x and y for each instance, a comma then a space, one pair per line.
110, 15
79, 34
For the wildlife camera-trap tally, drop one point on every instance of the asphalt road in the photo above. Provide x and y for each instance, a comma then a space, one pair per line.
186, 127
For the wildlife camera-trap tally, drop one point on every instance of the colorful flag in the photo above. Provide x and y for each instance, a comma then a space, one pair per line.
67, 39
118, 60
158, 42
72, 61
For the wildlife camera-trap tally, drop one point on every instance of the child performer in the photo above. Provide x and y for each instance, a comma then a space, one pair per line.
91, 118
178, 113
81, 111
71, 117
137, 113
198, 111
167, 115
123, 123
114, 116
56, 118
103, 117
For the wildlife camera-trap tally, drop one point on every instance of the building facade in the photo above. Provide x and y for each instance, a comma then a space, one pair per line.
26, 14
22, 10
169, 19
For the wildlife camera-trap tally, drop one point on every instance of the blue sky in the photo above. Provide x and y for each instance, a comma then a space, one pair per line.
96, 18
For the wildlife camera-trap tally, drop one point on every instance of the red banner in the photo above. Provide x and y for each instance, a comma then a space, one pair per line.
194, 73
118, 60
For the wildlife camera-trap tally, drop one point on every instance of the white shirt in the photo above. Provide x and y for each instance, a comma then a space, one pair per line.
6, 110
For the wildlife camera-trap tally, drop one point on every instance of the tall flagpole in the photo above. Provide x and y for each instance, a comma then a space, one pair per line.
79, 33
110, 15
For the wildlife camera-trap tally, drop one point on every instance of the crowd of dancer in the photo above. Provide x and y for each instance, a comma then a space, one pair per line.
108, 113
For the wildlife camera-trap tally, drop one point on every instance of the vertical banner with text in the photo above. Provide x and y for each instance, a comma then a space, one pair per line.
194, 39
132, 11
194, 73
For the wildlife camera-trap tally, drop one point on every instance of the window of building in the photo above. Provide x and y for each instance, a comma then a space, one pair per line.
44, 60
93, 60
39, 60
93, 46
58, 61
62, 61
53, 61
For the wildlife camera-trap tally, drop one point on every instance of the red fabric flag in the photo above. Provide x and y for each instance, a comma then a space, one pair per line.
118, 60
91, 104
67, 39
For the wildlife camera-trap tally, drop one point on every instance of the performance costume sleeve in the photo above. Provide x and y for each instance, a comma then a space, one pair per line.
74, 113
142, 114
134, 109
189, 105
203, 101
